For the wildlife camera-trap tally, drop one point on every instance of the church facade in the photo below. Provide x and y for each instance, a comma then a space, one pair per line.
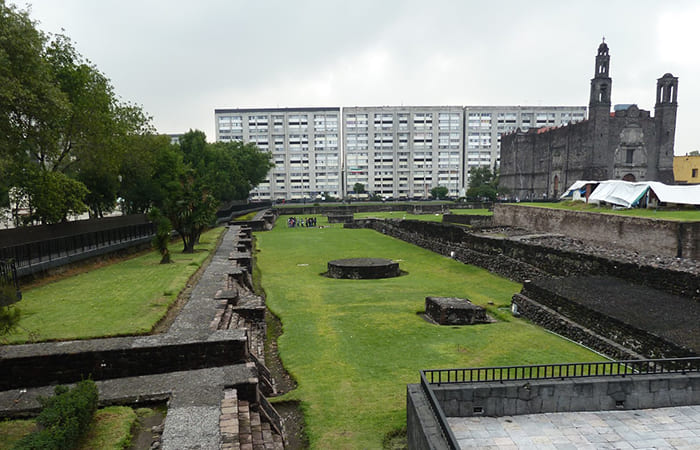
625, 144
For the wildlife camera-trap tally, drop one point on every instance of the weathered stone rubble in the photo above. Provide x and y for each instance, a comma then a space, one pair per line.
564, 243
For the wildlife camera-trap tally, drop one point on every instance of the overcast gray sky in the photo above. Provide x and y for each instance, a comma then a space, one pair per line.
183, 59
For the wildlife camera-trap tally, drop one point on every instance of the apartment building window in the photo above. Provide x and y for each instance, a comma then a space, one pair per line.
403, 121
278, 123
278, 142
423, 140
448, 121
298, 142
485, 139
324, 122
473, 140
694, 173
298, 122
383, 120
258, 123
356, 121
356, 142
383, 140
422, 120
544, 119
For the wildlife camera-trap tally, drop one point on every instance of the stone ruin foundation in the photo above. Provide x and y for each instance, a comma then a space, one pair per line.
454, 311
363, 268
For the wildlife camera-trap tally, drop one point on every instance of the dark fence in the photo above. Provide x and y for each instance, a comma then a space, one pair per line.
36, 256
564, 370
8, 277
450, 438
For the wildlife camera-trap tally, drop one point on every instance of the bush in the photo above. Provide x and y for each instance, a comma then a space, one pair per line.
64, 418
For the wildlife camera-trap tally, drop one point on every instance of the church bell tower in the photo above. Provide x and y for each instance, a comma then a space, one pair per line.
599, 115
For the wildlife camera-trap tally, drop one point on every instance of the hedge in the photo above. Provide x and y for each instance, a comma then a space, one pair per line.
64, 418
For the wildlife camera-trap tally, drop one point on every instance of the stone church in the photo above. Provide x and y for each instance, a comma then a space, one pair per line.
625, 144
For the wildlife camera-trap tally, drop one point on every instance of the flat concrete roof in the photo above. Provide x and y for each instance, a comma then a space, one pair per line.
667, 428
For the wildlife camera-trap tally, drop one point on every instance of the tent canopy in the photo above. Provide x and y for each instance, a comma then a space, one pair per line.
628, 194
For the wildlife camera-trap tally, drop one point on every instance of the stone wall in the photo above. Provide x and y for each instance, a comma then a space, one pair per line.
569, 395
422, 428
652, 236
31, 365
521, 261
474, 220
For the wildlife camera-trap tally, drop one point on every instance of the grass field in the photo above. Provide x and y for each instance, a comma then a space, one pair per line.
434, 217
353, 345
117, 299
680, 215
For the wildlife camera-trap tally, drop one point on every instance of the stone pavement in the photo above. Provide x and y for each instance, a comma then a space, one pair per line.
662, 428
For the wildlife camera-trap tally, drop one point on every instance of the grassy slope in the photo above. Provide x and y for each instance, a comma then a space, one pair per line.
125, 298
353, 345
681, 215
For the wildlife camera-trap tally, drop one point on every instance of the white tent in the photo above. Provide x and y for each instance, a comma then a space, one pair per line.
628, 194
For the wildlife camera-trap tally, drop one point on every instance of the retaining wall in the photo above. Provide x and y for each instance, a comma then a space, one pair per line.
569, 395
478, 221
48, 363
522, 261
653, 236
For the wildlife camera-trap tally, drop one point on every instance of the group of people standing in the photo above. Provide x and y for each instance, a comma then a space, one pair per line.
309, 222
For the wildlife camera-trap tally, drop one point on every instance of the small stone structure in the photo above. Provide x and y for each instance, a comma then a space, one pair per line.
363, 268
454, 311
340, 217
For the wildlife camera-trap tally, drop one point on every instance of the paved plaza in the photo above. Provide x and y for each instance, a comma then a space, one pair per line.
662, 428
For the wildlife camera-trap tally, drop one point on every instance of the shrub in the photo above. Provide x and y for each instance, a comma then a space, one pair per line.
64, 419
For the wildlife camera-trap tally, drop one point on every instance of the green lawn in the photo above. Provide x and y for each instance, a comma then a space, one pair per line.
353, 345
118, 299
432, 217
684, 215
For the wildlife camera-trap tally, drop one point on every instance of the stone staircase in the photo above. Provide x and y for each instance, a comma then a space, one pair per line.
245, 425
243, 428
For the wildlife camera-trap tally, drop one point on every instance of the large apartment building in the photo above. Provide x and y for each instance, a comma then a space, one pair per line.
393, 151
304, 143
403, 152
484, 126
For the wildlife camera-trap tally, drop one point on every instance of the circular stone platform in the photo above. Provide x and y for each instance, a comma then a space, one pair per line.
363, 268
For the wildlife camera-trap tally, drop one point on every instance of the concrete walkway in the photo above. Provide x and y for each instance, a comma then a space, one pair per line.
662, 428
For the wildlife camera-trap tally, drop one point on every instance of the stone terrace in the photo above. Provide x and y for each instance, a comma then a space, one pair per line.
215, 407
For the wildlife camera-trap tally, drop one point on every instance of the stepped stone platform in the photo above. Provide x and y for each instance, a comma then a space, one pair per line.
646, 320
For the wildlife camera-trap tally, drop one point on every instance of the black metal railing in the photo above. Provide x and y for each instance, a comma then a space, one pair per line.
8, 278
439, 414
431, 377
564, 370
39, 252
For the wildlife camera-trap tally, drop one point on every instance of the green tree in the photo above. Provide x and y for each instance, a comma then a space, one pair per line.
191, 209
51, 196
482, 184
162, 238
149, 172
58, 113
439, 192
359, 188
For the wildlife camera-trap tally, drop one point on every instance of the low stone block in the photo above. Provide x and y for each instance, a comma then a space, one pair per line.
454, 311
